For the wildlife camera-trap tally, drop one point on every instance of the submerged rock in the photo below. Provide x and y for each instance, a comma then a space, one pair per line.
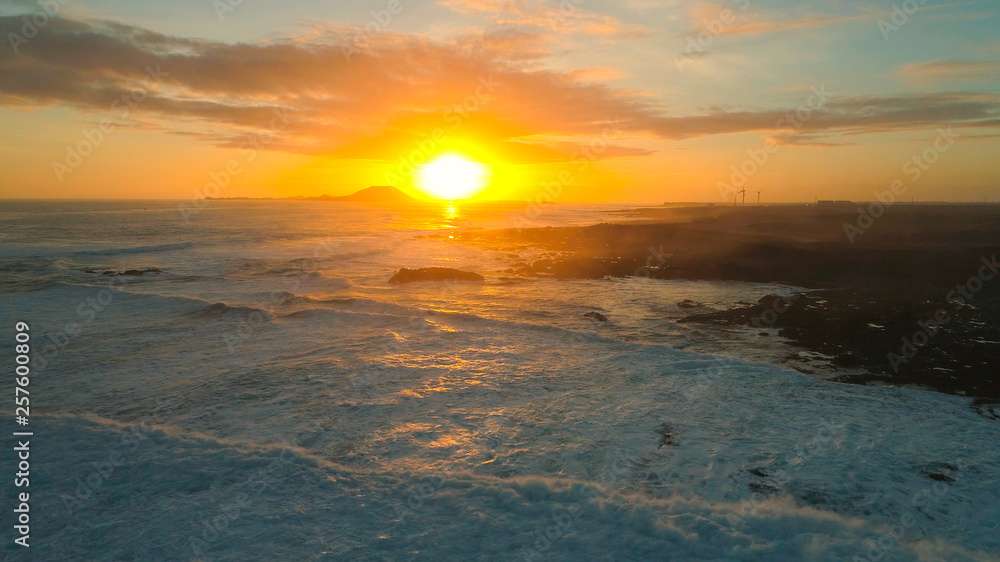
668, 434
596, 316
688, 303
434, 274
129, 273
941, 478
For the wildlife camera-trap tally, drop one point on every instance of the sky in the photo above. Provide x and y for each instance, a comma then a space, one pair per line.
628, 101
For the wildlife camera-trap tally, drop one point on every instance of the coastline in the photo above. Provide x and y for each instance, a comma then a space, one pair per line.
889, 304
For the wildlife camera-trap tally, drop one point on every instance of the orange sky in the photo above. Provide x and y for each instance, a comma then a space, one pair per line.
603, 102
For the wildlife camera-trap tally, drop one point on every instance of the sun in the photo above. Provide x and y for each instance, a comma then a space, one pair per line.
452, 176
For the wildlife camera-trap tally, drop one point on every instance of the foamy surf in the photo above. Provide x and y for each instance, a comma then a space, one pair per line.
165, 499
305, 406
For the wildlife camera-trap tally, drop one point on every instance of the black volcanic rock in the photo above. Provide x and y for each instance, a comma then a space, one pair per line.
128, 273
879, 294
434, 274
941, 478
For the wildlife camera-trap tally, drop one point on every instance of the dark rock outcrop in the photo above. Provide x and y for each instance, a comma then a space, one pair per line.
668, 434
596, 316
129, 272
434, 274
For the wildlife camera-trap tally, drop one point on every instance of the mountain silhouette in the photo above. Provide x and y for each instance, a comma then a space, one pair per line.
376, 193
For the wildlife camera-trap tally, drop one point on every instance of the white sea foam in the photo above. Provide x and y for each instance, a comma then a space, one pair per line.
174, 495
459, 421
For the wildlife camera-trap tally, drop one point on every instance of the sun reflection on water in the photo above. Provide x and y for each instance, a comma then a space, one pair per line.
450, 216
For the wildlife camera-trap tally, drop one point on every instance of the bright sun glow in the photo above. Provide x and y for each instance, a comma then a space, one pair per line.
452, 177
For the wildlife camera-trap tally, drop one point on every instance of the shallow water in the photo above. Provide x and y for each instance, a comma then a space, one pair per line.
270, 395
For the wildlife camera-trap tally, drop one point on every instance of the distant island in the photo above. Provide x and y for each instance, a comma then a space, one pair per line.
373, 194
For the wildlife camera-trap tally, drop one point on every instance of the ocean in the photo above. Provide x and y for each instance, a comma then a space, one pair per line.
261, 391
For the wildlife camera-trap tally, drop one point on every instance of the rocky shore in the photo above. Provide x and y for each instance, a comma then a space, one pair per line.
911, 300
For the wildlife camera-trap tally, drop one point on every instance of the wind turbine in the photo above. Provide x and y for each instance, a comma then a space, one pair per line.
744, 192
758, 194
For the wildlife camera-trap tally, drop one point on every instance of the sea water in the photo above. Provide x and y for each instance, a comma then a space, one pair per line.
266, 393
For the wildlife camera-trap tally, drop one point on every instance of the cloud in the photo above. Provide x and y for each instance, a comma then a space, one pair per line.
791, 139
757, 27
760, 27
709, 17
841, 114
486, 89
951, 71
733, 19
568, 17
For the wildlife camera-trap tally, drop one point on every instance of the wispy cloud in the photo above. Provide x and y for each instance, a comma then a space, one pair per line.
842, 115
951, 71
566, 17
758, 27
747, 21
738, 18
792, 139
